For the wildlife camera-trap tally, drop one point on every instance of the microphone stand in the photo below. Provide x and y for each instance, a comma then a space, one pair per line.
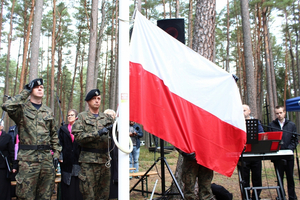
296, 151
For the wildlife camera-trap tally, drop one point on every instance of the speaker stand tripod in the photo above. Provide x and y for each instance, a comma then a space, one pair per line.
163, 180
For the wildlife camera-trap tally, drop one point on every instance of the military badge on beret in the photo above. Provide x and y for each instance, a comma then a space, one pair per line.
92, 93
37, 82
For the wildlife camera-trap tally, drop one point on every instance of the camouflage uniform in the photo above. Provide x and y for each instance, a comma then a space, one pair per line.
37, 134
192, 171
94, 175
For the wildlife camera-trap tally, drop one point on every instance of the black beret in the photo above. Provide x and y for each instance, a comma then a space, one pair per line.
37, 82
91, 94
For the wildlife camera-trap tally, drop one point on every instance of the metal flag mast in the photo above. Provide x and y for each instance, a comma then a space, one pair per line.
123, 98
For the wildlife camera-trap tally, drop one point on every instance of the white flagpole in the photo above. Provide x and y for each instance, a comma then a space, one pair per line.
123, 124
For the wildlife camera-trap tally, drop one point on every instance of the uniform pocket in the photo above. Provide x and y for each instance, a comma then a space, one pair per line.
19, 179
81, 176
21, 188
90, 122
30, 115
83, 185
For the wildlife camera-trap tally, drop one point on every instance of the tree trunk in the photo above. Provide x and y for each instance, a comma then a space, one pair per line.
1, 20
251, 84
291, 54
17, 70
259, 70
190, 34
26, 42
52, 56
48, 75
268, 66
92, 48
86, 15
104, 80
164, 8
203, 43
177, 9
273, 80
35, 44
285, 71
170, 8
75, 68
98, 50
204, 28
112, 67
7, 85
82, 102
240, 58
9, 36
228, 39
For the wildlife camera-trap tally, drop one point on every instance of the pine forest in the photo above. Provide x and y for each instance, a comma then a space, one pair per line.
73, 46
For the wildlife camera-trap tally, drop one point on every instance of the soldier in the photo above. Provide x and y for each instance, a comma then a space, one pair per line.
91, 132
37, 137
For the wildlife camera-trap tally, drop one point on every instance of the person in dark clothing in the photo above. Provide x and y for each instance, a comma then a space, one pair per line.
113, 190
7, 150
135, 133
253, 166
13, 132
290, 141
69, 160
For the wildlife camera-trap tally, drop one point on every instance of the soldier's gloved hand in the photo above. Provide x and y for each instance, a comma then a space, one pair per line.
109, 127
103, 131
55, 163
29, 86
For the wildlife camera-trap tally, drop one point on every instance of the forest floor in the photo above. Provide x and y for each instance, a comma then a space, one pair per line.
230, 183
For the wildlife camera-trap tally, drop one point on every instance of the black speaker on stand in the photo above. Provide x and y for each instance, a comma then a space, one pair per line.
174, 27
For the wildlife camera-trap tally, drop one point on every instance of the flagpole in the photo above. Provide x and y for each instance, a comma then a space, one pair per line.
123, 124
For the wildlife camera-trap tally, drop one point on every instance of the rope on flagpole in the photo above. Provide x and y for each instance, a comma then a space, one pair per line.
116, 141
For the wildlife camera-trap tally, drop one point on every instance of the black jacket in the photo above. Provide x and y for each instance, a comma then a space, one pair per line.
7, 149
289, 139
70, 150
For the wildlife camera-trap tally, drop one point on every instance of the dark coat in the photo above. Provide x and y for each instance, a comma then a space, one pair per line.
7, 148
289, 140
70, 150
139, 134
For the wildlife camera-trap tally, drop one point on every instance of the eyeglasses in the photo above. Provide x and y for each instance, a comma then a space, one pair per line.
71, 115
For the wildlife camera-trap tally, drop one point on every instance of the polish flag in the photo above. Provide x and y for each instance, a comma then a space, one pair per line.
184, 99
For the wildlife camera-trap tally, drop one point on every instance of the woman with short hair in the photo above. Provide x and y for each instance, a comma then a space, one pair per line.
69, 160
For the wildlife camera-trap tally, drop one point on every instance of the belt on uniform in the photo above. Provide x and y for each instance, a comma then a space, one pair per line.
93, 150
34, 147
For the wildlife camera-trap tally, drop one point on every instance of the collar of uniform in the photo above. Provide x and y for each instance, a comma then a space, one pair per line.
91, 115
29, 104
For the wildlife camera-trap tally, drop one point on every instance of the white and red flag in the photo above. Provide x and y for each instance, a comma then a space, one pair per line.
184, 99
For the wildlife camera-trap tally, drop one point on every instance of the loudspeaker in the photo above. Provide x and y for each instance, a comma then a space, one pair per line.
175, 27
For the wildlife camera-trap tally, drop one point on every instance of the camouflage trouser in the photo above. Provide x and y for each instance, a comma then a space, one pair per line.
94, 181
35, 180
205, 176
